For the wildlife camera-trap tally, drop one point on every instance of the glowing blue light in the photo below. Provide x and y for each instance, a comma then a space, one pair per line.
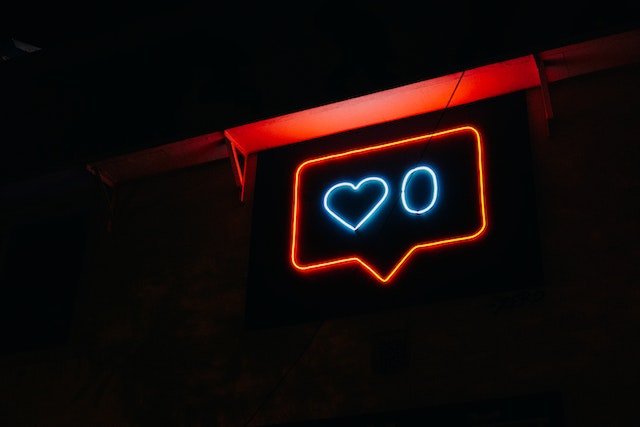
371, 211
434, 194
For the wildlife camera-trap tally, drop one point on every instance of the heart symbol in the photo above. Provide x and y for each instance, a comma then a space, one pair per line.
367, 182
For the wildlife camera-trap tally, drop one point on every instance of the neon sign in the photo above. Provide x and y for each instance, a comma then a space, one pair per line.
434, 193
375, 203
386, 197
406, 212
364, 183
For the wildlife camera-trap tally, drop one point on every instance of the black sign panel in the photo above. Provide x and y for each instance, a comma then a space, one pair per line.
435, 206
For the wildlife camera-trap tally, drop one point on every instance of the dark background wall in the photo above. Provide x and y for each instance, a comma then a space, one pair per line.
143, 324
156, 306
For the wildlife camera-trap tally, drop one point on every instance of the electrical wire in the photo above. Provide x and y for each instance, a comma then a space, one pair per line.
435, 129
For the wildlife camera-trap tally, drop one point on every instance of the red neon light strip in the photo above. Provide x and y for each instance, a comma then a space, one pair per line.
420, 246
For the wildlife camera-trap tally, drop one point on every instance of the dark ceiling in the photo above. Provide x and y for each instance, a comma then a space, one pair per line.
115, 77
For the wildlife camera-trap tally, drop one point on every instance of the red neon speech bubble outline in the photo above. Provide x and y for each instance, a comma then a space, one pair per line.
416, 247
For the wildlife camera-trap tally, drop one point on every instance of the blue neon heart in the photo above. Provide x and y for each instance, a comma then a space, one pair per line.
349, 186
